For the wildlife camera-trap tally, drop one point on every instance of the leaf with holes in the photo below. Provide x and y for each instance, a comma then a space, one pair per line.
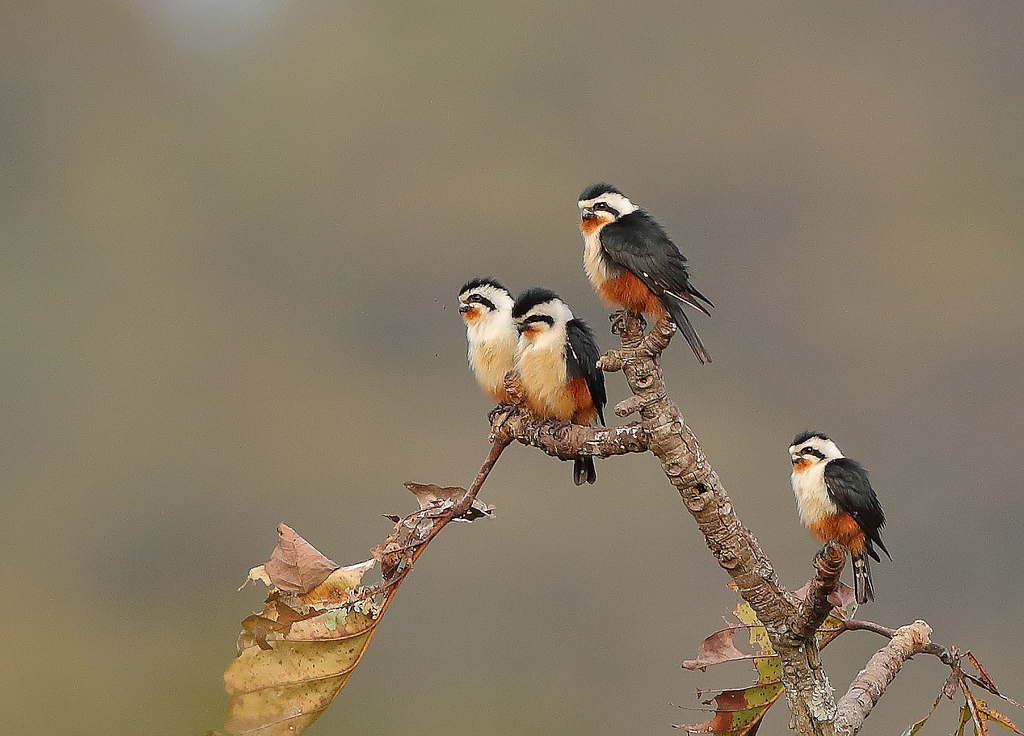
739, 712
295, 656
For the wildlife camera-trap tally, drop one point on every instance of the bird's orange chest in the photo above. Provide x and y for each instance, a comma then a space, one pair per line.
626, 290
841, 528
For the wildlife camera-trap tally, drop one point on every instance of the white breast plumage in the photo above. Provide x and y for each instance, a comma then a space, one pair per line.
812, 499
492, 346
595, 263
542, 369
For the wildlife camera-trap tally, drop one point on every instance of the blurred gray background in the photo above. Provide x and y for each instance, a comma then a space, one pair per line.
233, 234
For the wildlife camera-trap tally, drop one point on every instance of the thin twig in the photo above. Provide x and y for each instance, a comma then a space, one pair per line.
936, 650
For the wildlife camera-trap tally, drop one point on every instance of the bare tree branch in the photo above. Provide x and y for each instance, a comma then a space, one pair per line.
816, 606
880, 670
663, 431
946, 656
568, 441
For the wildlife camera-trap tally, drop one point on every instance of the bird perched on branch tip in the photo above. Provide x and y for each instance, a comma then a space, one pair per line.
632, 262
838, 504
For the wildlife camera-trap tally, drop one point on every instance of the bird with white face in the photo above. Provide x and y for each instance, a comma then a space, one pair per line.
556, 359
837, 504
486, 308
632, 262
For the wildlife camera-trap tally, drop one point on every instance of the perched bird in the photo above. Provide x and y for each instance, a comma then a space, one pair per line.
632, 262
557, 363
838, 504
486, 308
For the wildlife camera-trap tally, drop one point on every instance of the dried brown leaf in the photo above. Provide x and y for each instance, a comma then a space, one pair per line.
715, 649
985, 681
295, 565
991, 714
430, 495
952, 683
260, 627
841, 598
979, 721
285, 613
738, 712
297, 654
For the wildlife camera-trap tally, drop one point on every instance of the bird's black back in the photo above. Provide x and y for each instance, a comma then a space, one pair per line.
581, 360
639, 244
849, 488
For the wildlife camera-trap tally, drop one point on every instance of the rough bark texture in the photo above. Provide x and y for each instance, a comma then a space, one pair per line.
808, 691
881, 669
663, 431
791, 623
568, 441
828, 565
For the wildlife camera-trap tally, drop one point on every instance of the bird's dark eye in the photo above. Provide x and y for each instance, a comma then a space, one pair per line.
481, 300
601, 206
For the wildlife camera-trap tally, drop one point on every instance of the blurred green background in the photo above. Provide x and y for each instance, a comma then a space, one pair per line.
233, 233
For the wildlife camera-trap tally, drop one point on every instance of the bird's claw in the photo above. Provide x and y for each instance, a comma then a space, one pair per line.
618, 320
498, 416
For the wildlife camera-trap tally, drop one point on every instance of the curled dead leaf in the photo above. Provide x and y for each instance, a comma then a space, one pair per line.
295, 565
430, 495
715, 649
257, 574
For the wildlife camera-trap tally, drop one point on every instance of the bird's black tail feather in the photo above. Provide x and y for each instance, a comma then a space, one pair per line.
583, 470
862, 579
675, 308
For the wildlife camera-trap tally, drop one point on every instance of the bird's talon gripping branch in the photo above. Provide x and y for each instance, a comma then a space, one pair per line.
501, 410
618, 318
498, 417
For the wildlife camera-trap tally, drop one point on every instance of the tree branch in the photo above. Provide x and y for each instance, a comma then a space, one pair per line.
947, 657
663, 431
828, 565
880, 670
568, 441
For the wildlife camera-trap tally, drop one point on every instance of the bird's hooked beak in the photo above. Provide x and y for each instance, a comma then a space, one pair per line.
794, 458
463, 308
587, 213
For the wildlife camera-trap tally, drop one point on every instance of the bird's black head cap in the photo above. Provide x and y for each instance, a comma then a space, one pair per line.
804, 436
482, 281
530, 299
596, 190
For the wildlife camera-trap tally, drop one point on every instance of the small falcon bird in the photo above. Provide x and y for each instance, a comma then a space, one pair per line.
557, 363
486, 308
838, 504
632, 262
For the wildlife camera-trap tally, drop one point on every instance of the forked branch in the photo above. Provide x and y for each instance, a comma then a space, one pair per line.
663, 431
